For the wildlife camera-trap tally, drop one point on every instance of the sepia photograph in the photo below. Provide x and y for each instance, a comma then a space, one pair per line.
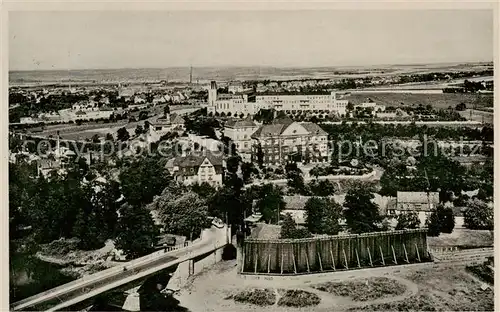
232, 158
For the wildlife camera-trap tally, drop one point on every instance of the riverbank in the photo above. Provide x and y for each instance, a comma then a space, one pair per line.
74, 262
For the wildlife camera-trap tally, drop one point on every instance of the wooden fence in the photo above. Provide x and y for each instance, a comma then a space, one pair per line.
330, 253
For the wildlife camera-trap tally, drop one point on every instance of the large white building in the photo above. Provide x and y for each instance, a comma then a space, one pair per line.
240, 132
237, 103
314, 103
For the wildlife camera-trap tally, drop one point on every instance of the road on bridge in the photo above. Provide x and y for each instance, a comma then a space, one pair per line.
82, 289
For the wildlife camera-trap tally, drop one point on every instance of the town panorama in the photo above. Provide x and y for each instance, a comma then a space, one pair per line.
215, 188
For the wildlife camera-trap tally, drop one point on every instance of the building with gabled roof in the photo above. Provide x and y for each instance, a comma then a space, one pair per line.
240, 133
285, 140
421, 203
197, 167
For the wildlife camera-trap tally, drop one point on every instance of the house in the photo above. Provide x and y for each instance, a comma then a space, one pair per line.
240, 132
285, 140
422, 203
198, 167
235, 87
47, 165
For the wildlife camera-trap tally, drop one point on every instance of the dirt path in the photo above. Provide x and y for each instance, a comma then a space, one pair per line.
208, 290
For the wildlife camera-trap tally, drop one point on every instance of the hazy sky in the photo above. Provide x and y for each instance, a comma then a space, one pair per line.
112, 39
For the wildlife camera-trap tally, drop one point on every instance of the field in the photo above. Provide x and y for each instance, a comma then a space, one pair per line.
420, 287
463, 238
438, 101
87, 130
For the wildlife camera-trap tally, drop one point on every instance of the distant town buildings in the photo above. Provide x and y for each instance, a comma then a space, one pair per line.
285, 140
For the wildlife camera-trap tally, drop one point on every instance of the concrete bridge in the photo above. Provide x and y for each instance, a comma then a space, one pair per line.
129, 275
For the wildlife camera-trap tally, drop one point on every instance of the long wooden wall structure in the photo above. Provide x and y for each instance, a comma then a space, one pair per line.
329, 253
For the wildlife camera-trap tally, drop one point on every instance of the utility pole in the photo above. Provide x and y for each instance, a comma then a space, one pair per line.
428, 189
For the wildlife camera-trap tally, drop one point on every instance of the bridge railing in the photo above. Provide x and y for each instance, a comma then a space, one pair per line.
89, 280
97, 288
86, 280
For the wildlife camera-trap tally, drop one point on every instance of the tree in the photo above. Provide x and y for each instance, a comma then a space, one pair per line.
322, 188
361, 214
122, 134
260, 156
142, 180
227, 202
95, 138
322, 215
139, 130
289, 229
270, 202
143, 115
350, 107
109, 137
247, 169
460, 107
295, 183
137, 233
186, 215
408, 220
440, 221
204, 190
233, 163
478, 215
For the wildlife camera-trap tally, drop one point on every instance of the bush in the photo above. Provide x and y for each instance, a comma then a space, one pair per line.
298, 298
364, 290
289, 229
482, 271
257, 296
440, 221
408, 220
478, 216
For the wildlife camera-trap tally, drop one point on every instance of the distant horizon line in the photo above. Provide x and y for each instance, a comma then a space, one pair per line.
257, 66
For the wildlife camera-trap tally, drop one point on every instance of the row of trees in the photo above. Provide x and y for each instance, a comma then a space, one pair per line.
361, 215
79, 205
378, 132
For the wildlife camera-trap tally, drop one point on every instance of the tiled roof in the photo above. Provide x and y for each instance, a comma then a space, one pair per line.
418, 197
176, 119
196, 159
314, 128
238, 123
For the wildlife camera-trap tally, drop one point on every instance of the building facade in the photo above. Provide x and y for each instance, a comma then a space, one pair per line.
197, 168
240, 132
313, 103
285, 140
421, 203
238, 103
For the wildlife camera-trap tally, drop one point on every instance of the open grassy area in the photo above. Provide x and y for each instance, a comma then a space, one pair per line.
443, 100
463, 238
364, 289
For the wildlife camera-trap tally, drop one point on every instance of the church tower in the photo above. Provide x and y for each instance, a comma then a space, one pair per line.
212, 93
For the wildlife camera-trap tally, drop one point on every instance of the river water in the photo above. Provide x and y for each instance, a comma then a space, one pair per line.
29, 276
